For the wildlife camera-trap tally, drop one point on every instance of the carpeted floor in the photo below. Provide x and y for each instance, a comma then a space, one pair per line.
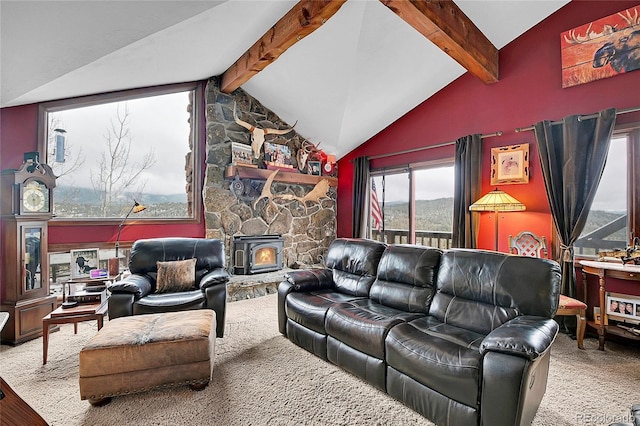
260, 378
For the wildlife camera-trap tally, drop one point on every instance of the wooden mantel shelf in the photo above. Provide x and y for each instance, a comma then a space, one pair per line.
282, 176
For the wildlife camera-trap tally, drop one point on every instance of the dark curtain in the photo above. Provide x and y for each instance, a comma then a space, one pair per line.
467, 189
572, 155
360, 197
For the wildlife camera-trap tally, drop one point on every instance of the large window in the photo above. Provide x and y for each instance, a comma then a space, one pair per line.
613, 220
112, 150
416, 205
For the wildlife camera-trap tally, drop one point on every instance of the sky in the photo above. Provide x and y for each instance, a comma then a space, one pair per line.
432, 184
611, 195
159, 123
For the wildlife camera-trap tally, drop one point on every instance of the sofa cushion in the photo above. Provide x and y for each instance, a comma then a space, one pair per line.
310, 309
406, 277
363, 324
354, 263
436, 360
175, 276
470, 314
169, 302
481, 290
460, 336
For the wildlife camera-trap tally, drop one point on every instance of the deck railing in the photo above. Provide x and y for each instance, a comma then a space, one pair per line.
441, 240
603, 238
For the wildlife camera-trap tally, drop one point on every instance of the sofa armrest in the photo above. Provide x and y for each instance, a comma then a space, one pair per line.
305, 280
214, 277
120, 305
138, 285
216, 296
302, 280
526, 336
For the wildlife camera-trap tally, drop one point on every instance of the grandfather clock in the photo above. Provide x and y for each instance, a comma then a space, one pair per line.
26, 208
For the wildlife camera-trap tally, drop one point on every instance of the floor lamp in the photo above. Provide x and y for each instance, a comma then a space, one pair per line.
114, 263
497, 201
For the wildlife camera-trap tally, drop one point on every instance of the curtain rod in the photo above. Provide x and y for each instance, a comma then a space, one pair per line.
580, 118
408, 151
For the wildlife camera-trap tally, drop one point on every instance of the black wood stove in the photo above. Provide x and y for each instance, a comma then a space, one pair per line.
255, 254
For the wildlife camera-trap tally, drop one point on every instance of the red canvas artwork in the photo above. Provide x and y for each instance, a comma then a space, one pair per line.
602, 48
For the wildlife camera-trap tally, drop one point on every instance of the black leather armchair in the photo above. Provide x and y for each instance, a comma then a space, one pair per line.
136, 294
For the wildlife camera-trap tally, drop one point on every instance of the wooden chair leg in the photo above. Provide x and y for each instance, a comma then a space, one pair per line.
582, 325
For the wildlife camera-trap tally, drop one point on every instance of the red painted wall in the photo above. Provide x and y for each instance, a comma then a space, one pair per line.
529, 91
18, 134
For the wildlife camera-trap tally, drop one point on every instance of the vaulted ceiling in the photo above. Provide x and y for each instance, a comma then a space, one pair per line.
343, 69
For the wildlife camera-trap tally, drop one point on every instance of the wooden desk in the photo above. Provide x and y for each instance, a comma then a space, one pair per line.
603, 270
76, 314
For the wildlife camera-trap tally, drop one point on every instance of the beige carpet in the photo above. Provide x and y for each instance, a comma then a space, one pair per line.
260, 378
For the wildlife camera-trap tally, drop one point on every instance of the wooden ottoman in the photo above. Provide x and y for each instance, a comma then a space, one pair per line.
144, 352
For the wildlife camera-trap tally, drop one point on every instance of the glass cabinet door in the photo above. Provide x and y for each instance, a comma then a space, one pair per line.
32, 258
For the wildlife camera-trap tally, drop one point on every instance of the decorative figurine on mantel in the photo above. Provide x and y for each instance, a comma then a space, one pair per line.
258, 134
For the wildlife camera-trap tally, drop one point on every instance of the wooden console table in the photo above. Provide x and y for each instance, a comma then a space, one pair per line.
603, 270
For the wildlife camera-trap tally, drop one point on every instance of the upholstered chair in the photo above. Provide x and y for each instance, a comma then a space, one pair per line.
173, 274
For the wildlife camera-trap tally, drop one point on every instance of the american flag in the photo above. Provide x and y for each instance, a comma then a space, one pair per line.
376, 213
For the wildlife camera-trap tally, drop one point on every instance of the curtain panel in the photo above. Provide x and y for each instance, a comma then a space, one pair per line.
573, 154
360, 197
467, 189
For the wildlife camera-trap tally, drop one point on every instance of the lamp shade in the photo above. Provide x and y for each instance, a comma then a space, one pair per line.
497, 201
135, 208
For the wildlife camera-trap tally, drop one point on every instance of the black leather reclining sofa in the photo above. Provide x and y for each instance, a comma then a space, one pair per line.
461, 336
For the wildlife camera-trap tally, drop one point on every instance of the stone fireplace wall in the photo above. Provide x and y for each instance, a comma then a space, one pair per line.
308, 228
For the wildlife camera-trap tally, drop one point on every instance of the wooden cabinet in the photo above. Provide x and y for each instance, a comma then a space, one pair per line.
26, 210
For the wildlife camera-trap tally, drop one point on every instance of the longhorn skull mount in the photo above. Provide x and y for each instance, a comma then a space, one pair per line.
258, 134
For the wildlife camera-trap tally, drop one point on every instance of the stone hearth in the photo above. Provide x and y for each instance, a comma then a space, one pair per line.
308, 227
242, 287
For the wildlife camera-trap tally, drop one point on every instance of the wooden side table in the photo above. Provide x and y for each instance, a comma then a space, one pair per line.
76, 314
603, 270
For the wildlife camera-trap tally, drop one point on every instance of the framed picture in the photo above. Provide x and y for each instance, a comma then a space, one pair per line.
314, 168
510, 164
83, 261
242, 155
623, 307
277, 156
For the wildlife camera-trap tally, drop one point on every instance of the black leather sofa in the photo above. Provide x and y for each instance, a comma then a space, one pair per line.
461, 336
136, 294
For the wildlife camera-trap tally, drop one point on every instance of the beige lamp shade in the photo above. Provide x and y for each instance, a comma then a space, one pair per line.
497, 201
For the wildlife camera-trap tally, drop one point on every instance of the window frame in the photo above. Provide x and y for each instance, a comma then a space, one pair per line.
197, 136
409, 169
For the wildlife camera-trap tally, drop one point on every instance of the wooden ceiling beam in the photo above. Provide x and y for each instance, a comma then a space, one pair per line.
303, 19
442, 22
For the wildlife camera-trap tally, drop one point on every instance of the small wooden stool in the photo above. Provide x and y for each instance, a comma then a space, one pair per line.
145, 352
570, 306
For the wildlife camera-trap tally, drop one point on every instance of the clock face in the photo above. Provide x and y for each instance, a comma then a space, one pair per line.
35, 197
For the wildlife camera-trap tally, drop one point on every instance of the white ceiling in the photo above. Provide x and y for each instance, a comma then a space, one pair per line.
348, 80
